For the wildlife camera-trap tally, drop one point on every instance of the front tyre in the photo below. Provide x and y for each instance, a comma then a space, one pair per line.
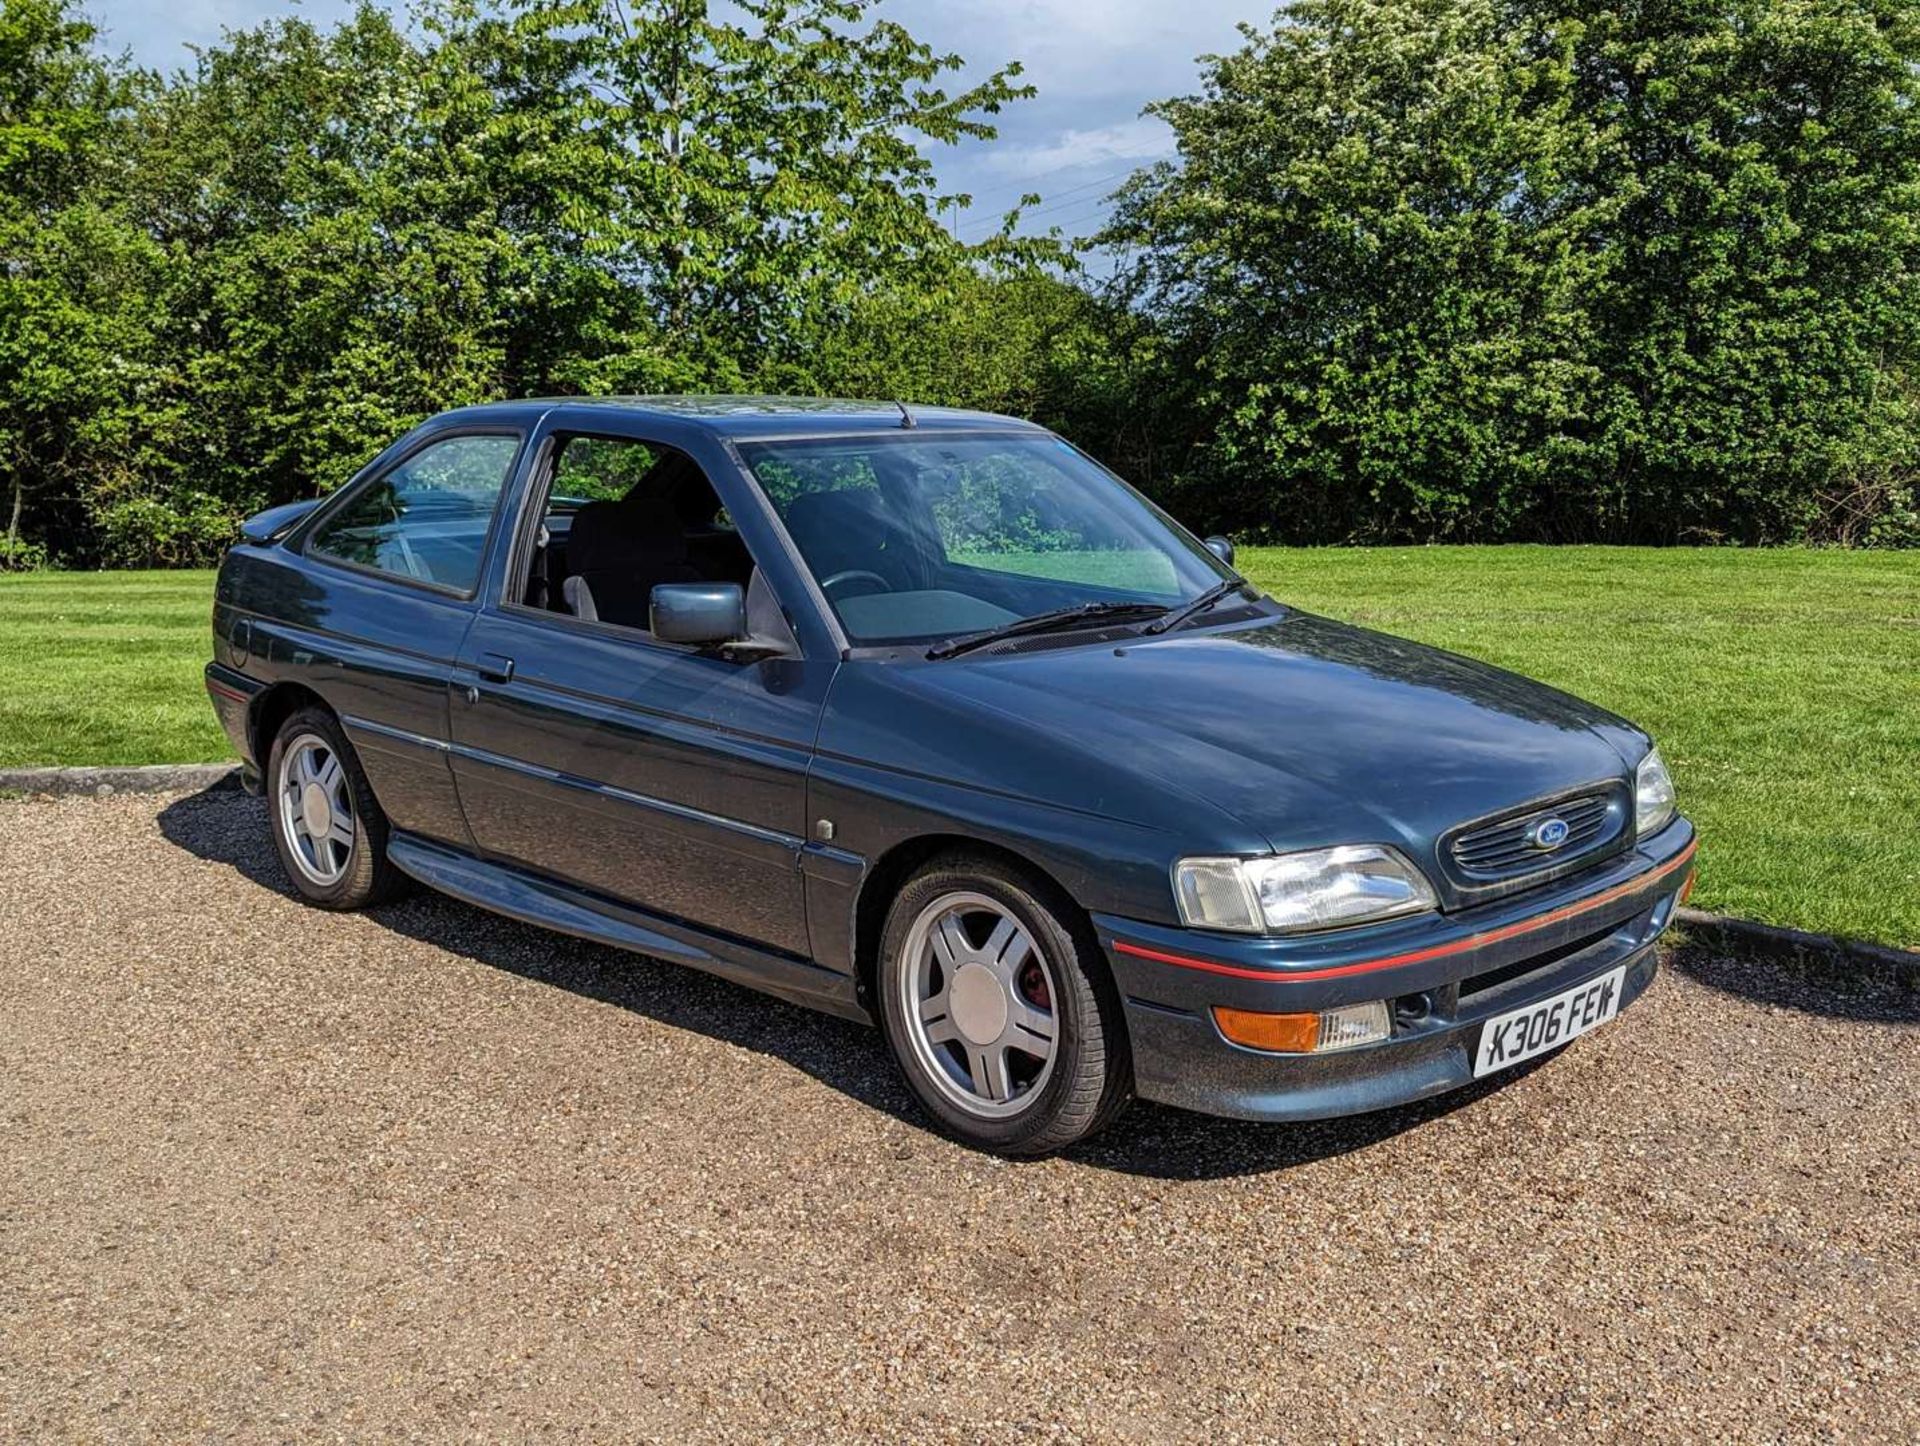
327, 827
1004, 1022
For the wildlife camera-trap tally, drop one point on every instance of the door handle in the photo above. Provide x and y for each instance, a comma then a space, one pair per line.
494, 668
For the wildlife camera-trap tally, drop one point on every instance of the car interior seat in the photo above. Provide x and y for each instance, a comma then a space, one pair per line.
849, 531
617, 552
713, 548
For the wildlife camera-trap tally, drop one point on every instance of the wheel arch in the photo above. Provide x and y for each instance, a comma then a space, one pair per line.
273, 707
905, 859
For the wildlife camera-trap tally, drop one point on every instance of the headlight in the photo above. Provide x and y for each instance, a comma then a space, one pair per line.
1318, 889
1652, 796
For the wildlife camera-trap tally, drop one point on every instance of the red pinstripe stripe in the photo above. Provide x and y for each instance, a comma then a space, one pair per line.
1418, 956
224, 691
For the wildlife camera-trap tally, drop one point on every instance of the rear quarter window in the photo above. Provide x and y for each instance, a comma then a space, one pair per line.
427, 519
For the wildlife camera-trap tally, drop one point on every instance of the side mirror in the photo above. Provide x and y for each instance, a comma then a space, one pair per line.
702, 613
1222, 548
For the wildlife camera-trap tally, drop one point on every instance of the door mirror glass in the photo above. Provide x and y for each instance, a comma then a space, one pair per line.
701, 613
1222, 548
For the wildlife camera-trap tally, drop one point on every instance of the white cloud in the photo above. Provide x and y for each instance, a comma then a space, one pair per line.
1079, 47
1141, 139
1094, 63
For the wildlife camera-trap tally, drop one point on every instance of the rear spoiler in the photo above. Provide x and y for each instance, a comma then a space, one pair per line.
276, 522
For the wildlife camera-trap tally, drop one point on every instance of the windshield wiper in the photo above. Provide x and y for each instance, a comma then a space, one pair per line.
1094, 612
1171, 620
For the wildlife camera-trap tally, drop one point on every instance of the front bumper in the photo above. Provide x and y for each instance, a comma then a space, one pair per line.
1444, 975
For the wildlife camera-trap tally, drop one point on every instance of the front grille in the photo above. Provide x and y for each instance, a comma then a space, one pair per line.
1504, 849
1532, 964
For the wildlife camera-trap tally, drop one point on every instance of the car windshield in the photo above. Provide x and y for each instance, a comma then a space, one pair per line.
923, 536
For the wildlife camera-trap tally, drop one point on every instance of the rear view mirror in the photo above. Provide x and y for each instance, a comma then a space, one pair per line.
701, 613
1222, 548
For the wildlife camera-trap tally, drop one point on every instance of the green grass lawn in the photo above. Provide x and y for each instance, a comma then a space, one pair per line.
104, 667
1784, 687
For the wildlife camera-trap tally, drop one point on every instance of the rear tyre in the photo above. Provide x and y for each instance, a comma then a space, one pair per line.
999, 1010
327, 827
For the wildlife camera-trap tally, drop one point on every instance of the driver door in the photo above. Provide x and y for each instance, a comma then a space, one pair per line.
671, 779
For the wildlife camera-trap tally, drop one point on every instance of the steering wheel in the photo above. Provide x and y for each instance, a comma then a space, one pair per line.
852, 573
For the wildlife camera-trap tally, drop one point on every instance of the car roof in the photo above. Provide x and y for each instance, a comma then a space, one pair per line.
748, 416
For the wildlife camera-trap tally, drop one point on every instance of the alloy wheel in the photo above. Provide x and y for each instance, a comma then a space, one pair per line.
316, 809
978, 997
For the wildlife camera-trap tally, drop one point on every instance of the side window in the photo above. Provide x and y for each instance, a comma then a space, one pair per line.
600, 469
427, 518
620, 517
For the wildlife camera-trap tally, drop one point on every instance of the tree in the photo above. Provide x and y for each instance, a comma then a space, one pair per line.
714, 192
365, 225
1757, 330
1458, 268
335, 272
230, 286
72, 274
1028, 340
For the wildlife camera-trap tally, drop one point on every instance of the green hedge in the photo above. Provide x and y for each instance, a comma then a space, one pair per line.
1422, 269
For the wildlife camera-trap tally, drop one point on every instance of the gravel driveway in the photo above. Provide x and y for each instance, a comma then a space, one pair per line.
270, 1173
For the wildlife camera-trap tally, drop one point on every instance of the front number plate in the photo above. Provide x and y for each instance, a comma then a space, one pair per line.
1507, 1039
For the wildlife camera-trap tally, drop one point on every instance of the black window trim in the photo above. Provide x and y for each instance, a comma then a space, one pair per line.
809, 584
347, 494
534, 496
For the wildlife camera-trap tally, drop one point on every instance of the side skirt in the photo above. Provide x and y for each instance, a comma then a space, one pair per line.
567, 910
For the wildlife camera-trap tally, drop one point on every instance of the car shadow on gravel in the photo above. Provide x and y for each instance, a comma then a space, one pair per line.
223, 825
1169, 1144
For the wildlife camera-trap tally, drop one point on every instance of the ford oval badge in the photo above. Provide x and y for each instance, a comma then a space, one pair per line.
1547, 833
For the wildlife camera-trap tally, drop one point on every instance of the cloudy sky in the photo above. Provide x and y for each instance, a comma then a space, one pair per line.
1096, 63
